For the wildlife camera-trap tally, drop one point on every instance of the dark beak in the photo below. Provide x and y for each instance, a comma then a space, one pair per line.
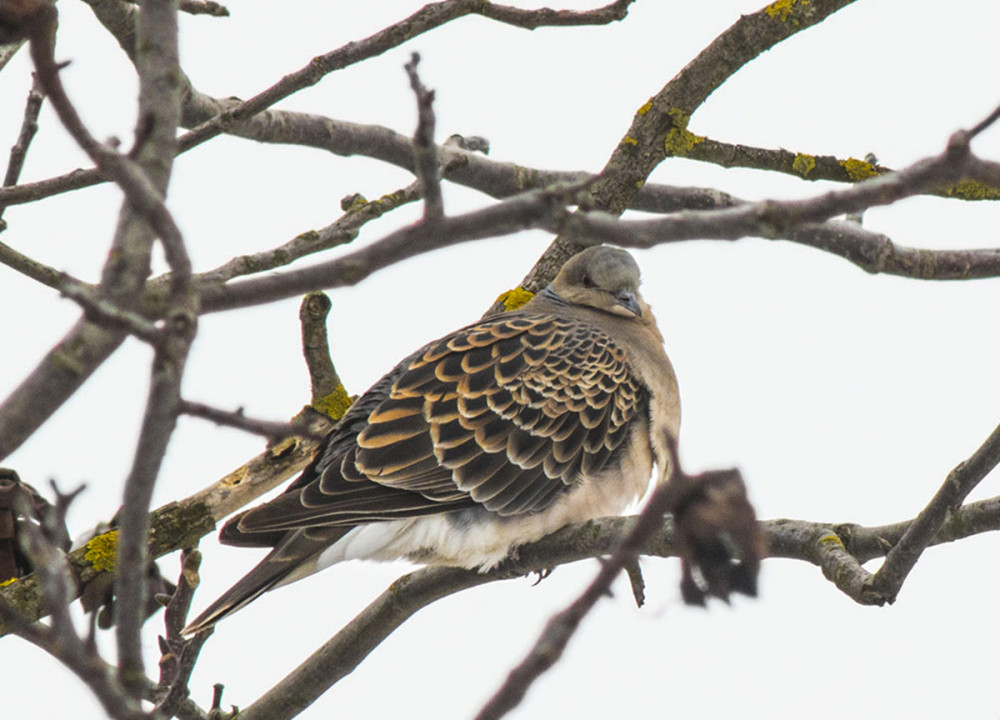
626, 298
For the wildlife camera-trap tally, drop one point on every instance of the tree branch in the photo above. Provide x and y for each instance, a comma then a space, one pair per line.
791, 539
536, 209
887, 582
269, 429
660, 125
813, 167
29, 126
425, 155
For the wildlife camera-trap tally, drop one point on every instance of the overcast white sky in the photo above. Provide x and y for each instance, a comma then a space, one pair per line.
841, 396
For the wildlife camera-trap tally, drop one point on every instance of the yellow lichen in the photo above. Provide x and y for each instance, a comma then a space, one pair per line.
334, 404
858, 169
973, 190
784, 9
645, 108
101, 551
513, 299
680, 140
8, 581
803, 164
629, 140
831, 539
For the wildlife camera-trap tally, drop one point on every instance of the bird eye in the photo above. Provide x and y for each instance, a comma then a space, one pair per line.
587, 281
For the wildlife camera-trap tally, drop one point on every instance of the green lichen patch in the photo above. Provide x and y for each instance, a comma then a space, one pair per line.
353, 203
973, 190
645, 108
783, 10
680, 140
804, 164
858, 170
629, 140
334, 404
513, 299
101, 551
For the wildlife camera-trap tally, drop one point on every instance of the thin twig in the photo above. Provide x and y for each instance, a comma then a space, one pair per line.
357, 213
179, 654
985, 123
198, 7
104, 311
37, 271
425, 156
29, 126
267, 428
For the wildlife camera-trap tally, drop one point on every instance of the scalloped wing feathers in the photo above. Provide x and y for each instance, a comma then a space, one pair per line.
506, 414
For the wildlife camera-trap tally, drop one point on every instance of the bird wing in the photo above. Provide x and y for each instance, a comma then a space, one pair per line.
505, 414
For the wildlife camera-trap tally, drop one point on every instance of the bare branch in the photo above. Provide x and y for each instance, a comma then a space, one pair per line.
198, 7
179, 654
536, 209
328, 395
357, 213
106, 312
813, 167
35, 270
158, 115
29, 126
888, 581
56, 377
425, 154
985, 123
269, 429
158, 425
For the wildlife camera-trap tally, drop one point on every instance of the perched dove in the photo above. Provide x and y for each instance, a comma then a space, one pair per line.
488, 438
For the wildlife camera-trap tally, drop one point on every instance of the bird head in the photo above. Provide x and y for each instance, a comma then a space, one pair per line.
604, 278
